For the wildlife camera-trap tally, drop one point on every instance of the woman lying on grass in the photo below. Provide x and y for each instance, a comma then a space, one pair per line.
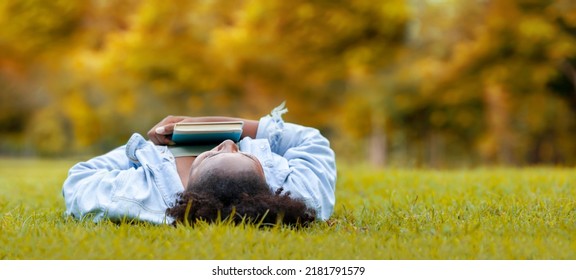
278, 171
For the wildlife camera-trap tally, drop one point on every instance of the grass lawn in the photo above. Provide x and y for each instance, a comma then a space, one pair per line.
380, 214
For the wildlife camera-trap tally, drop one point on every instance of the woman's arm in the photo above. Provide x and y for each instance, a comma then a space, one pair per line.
133, 182
311, 162
161, 133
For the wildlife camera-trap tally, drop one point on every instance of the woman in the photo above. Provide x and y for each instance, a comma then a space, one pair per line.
277, 171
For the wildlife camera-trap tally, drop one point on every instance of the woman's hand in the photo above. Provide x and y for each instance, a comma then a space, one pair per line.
161, 134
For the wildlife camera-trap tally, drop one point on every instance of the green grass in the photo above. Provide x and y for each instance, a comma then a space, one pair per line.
380, 214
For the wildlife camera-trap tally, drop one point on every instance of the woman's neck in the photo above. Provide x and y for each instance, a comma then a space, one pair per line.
183, 165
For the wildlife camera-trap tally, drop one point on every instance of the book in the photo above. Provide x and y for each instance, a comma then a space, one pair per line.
194, 138
202, 133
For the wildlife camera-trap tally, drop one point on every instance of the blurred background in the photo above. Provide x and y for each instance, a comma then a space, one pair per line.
411, 83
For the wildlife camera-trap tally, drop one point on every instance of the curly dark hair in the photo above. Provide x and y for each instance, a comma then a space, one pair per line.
241, 198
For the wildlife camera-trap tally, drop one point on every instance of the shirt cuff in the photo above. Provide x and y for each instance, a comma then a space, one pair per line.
271, 126
134, 143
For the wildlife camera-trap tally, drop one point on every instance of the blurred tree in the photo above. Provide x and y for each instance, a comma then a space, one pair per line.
217, 55
412, 82
486, 74
33, 36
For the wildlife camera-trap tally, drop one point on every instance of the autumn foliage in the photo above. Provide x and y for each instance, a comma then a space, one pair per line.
396, 82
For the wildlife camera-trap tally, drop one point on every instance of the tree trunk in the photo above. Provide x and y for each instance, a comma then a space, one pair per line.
435, 149
377, 149
498, 115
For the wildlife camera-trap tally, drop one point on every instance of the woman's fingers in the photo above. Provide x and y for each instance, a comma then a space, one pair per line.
161, 133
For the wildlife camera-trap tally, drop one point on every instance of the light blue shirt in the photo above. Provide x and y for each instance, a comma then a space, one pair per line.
139, 180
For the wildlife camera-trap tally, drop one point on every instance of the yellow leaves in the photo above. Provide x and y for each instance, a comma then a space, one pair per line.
496, 74
562, 49
394, 11
357, 60
125, 104
535, 29
541, 74
403, 101
357, 114
420, 66
148, 15
85, 127
565, 10
86, 63
306, 11
229, 45
438, 118
160, 17
47, 134
255, 11
30, 27
463, 53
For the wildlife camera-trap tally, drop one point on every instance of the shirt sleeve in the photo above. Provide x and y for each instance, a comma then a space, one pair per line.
311, 161
130, 182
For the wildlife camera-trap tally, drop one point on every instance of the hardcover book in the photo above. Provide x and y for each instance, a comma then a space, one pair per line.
196, 137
